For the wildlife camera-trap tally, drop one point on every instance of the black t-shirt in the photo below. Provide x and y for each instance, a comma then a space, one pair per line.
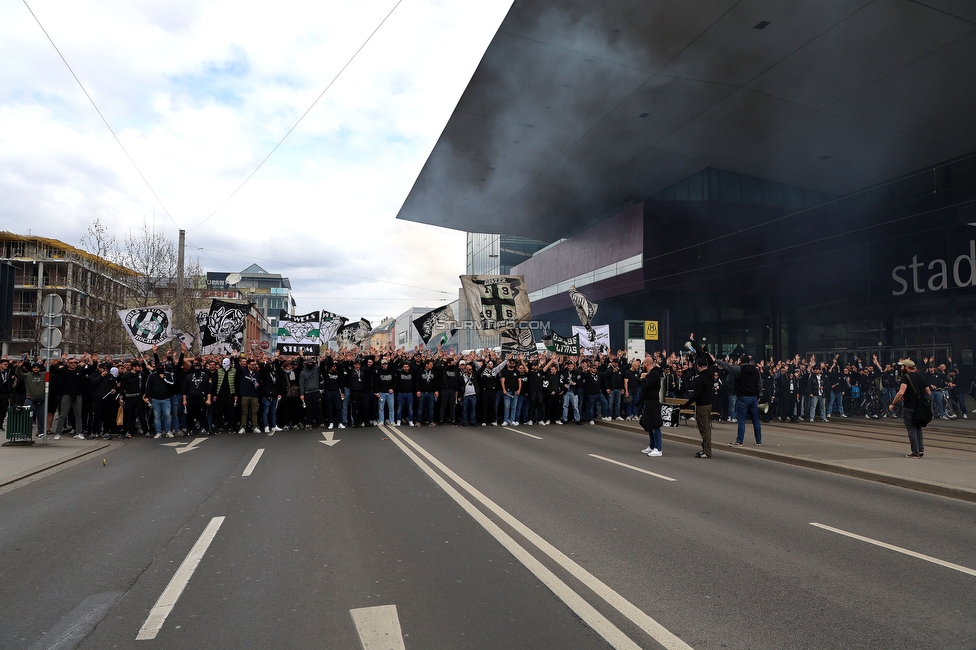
510, 378
911, 399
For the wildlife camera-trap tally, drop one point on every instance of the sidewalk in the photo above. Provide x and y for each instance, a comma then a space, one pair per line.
860, 449
20, 463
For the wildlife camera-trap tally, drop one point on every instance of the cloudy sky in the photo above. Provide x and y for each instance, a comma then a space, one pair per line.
200, 91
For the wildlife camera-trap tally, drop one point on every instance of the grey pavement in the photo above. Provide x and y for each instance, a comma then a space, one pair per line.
868, 450
19, 463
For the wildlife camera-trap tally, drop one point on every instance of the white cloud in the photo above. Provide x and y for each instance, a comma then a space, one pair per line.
199, 93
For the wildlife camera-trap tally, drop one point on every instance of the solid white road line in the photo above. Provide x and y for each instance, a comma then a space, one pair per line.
891, 547
636, 469
167, 600
589, 614
653, 629
378, 627
523, 433
254, 461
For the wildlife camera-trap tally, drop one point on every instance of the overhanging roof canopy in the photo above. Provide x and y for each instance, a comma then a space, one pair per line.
579, 108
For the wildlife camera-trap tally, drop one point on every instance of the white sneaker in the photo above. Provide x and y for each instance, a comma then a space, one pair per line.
505, 423
267, 429
413, 424
648, 449
81, 437
606, 419
276, 428
529, 423
482, 424
241, 431
330, 425
169, 434
342, 426
559, 421
619, 418
655, 452
592, 422
398, 422
515, 424
494, 424
158, 435
257, 429
57, 436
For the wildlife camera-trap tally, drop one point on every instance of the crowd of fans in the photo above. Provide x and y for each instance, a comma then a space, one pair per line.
182, 394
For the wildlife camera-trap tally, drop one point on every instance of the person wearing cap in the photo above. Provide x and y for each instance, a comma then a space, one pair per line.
910, 391
747, 386
32, 378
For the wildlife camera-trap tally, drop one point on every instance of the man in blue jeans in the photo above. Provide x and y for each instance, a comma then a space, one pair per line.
747, 386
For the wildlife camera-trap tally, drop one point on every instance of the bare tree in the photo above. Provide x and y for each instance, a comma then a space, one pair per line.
106, 285
100, 242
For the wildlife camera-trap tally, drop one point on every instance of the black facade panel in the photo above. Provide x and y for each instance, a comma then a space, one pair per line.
6, 301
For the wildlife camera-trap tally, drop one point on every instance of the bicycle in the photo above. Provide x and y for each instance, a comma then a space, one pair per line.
872, 406
950, 412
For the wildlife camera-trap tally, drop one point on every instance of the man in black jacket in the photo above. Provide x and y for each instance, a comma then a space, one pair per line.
701, 397
747, 386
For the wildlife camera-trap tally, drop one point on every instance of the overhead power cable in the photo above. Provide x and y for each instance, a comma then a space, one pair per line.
109, 126
299, 119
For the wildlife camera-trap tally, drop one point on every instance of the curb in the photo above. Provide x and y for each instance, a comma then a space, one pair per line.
807, 463
55, 463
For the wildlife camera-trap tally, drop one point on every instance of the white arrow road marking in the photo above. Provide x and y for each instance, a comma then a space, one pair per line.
523, 433
174, 444
254, 461
891, 547
603, 626
191, 446
378, 627
167, 600
636, 469
328, 438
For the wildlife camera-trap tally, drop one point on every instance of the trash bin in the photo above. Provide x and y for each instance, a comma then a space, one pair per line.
19, 424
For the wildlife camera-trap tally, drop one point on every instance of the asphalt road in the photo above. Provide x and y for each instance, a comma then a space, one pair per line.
476, 538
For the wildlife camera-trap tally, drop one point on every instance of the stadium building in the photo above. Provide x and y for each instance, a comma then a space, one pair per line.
780, 178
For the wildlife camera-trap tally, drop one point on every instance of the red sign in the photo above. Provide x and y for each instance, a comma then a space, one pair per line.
265, 345
255, 343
